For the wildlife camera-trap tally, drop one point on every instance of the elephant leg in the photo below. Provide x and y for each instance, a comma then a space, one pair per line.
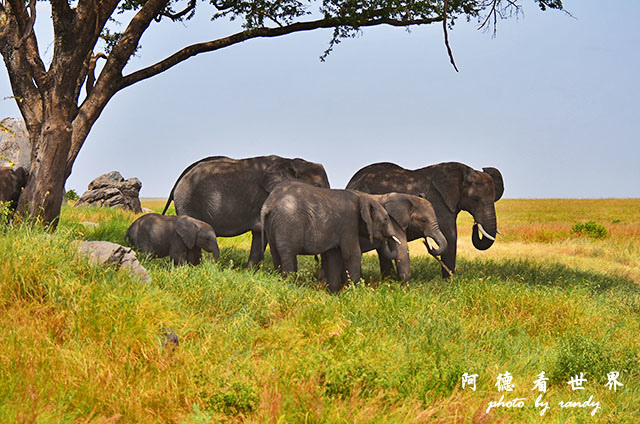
333, 269
275, 255
177, 252
449, 256
257, 249
386, 264
194, 256
352, 258
289, 263
178, 260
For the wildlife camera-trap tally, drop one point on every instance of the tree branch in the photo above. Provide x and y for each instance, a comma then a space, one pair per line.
263, 32
25, 68
176, 16
91, 76
446, 35
110, 77
32, 20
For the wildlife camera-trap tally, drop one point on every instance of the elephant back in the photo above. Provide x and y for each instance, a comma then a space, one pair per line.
381, 178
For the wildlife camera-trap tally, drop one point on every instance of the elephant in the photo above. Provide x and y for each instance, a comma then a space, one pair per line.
229, 193
413, 217
300, 219
182, 238
12, 181
450, 187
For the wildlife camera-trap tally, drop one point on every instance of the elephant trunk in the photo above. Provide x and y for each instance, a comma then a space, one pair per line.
390, 247
488, 228
437, 235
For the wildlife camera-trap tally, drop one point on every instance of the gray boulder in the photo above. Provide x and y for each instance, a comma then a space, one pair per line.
106, 253
14, 143
113, 191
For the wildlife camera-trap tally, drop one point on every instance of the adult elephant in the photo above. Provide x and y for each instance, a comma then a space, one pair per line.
451, 187
12, 181
299, 219
229, 193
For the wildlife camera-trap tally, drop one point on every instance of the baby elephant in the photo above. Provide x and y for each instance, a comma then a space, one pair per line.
179, 237
300, 219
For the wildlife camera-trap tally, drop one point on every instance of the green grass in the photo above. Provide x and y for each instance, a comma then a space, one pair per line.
85, 344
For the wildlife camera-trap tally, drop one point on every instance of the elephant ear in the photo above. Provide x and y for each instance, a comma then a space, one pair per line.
279, 171
400, 209
447, 182
365, 212
498, 183
187, 229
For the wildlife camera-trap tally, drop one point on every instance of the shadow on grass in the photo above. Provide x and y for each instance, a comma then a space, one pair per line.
526, 271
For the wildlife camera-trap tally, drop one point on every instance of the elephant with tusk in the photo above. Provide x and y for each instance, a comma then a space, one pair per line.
413, 218
451, 187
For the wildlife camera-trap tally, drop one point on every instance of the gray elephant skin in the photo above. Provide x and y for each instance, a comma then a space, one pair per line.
300, 219
12, 181
229, 193
182, 238
450, 187
413, 217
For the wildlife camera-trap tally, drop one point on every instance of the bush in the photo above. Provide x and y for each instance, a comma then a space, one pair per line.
578, 353
590, 229
72, 196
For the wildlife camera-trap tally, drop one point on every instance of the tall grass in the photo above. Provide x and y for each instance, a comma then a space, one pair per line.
85, 344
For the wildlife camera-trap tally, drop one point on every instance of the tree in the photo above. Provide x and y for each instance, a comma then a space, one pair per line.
59, 114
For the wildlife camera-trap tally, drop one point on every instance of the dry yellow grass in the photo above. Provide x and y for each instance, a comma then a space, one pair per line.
540, 230
84, 344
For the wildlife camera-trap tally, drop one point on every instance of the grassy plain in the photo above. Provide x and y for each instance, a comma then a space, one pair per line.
84, 344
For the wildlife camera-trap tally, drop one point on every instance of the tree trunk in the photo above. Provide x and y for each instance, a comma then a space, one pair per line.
42, 197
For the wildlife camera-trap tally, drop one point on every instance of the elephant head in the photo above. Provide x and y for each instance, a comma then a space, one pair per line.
378, 224
416, 217
463, 188
196, 233
283, 169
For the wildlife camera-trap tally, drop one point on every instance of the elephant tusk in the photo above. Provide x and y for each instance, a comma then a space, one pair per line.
429, 242
396, 239
484, 233
498, 231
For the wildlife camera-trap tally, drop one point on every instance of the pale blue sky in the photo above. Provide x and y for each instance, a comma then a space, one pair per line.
552, 101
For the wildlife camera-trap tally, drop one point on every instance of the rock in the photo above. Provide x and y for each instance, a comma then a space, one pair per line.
14, 143
106, 253
89, 224
169, 337
113, 191
146, 210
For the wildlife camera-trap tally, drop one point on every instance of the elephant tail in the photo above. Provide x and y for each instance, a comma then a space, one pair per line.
169, 200
263, 215
127, 237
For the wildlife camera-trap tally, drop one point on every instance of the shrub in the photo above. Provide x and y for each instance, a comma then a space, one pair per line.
72, 196
578, 353
590, 229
